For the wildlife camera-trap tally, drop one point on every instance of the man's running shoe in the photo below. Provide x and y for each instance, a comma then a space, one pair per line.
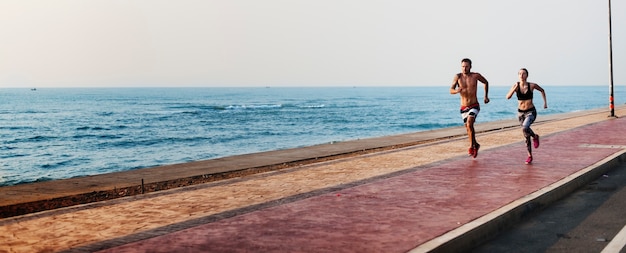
471, 151
536, 141
476, 150
529, 160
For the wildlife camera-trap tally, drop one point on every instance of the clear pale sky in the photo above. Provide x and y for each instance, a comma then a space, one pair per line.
226, 43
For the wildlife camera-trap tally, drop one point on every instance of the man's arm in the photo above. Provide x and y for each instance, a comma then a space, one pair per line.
483, 80
455, 84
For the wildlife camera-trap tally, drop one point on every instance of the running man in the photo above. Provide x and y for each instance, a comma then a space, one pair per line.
466, 84
526, 112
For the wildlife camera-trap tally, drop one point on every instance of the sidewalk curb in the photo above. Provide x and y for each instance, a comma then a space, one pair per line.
487, 227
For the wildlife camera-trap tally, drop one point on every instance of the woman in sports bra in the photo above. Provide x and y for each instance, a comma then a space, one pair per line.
526, 112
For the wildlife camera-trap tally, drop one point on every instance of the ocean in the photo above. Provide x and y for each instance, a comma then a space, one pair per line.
58, 133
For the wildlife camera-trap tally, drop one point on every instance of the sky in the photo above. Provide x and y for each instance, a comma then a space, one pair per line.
245, 43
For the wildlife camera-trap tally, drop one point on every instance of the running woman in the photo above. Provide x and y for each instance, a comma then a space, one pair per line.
526, 112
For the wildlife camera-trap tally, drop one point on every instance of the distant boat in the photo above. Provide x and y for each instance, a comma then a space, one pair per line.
33, 89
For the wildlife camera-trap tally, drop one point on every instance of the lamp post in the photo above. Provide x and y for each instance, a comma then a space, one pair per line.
611, 100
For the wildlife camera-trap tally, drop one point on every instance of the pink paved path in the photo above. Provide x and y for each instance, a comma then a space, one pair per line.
395, 213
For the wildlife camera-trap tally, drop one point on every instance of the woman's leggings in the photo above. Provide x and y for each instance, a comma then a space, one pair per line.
526, 118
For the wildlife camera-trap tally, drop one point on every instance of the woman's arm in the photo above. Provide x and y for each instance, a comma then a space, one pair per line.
513, 89
543, 95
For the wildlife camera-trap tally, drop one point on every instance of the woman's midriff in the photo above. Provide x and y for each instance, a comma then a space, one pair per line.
525, 104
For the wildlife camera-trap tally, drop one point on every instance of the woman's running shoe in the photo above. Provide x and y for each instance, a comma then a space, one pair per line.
529, 160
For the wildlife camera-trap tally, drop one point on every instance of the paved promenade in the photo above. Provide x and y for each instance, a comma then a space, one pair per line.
424, 195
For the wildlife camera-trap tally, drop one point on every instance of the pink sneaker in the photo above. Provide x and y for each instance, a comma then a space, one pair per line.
529, 160
536, 141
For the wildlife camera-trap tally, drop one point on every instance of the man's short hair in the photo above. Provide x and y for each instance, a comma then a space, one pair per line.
467, 60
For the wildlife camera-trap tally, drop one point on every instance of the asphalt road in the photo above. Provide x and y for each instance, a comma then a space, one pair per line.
584, 221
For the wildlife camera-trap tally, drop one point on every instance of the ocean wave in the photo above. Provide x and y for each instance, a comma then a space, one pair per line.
105, 114
38, 138
57, 164
195, 107
12, 155
12, 128
7, 182
429, 126
163, 141
84, 128
253, 106
312, 106
96, 136
199, 109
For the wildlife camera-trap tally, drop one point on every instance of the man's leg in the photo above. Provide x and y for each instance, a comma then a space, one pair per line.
470, 131
471, 135
465, 116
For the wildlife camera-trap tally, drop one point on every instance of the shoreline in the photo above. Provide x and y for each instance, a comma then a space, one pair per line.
187, 125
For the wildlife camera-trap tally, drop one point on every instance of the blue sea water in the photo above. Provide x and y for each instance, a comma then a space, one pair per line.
62, 133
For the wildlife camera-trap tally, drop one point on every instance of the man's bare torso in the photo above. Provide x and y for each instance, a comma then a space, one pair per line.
468, 84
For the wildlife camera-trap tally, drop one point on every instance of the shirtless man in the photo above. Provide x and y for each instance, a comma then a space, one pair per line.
466, 84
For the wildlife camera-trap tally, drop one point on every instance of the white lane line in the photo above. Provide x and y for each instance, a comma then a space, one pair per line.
617, 244
602, 146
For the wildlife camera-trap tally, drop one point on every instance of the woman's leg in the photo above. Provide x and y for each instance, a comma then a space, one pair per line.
526, 119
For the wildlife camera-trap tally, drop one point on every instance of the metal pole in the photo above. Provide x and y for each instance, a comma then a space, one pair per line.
611, 100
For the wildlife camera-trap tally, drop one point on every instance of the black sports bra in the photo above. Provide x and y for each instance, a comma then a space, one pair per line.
523, 96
